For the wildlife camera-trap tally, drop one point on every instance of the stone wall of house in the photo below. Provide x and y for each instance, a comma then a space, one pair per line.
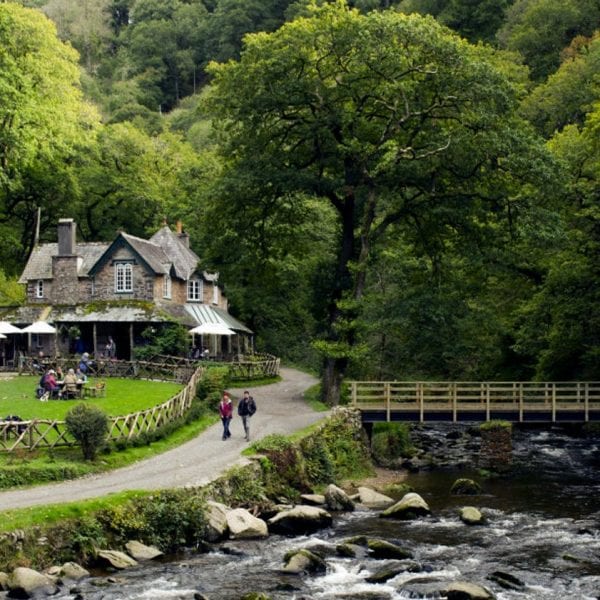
143, 280
65, 285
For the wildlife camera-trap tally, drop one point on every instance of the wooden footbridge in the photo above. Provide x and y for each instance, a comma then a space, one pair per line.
516, 401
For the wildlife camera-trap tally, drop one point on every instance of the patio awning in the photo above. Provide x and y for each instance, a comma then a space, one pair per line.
204, 313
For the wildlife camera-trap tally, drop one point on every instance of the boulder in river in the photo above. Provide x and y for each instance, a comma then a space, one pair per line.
464, 590
313, 499
410, 507
244, 525
303, 561
471, 515
372, 499
383, 549
142, 552
26, 583
465, 487
386, 573
299, 520
337, 499
116, 559
216, 521
74, 571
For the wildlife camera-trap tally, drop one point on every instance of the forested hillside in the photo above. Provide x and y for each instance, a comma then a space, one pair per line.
388, 189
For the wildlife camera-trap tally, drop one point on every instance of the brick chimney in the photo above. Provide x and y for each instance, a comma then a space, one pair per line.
181, 234
65, 265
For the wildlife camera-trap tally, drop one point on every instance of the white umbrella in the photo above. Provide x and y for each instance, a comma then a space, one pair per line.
2, 336
212, 329
6, 327
39, 327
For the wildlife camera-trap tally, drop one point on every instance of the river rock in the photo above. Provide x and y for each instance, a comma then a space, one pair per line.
216, 521
142, 552
410, 507
3, 581
26, 583
243, 525
507, 581
465, 487
385, 573
463, 590
372, 499
71, 570
301, 519
383, 549
303, 561
116, 559
347, 550
313, 499
471, 515
337, 499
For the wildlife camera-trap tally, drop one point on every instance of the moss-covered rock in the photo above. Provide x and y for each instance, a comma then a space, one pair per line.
410, 507
302, 561
465, 487
382, 549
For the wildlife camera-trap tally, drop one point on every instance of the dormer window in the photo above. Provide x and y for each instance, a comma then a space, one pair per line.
39, 288
215, 293
123, 277
167, 287
194, 290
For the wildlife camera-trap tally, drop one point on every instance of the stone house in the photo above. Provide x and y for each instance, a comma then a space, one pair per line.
119, 289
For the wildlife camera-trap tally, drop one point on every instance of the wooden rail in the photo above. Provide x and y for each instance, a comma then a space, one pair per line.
518, 401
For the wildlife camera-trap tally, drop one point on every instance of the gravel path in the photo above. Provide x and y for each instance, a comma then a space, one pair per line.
281, 409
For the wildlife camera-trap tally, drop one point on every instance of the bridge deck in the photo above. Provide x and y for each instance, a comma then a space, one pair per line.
477, 401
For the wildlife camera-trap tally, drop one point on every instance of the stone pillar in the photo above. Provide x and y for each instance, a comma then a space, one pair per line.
496, 446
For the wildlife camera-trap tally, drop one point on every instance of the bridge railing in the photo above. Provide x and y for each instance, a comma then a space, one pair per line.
488, 397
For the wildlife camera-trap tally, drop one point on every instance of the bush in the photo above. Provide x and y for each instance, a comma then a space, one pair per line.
89, 426
215, 380
390, 442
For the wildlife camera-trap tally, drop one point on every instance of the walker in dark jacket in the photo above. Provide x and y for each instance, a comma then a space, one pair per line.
246, 408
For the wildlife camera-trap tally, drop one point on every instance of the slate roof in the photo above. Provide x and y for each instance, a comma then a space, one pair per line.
153, 255
184, 260
39, 265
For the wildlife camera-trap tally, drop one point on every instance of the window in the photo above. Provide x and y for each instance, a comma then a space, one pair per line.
123, 277
39, 289
167, 287
194, 288
215, 293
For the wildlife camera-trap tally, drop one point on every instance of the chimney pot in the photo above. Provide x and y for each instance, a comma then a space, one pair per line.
66, 237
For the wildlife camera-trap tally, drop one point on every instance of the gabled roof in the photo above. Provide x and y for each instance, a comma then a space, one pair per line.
184, 260
150, 254
39, 265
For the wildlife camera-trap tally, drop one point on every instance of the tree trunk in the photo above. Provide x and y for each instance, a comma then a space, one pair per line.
333, 374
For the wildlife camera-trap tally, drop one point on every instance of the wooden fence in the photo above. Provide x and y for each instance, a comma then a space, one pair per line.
468, 400
41, 433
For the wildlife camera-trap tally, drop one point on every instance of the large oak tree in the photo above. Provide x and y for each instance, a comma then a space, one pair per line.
385, 117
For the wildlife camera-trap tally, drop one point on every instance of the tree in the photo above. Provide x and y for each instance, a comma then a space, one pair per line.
43, 120
541, 29
387, 118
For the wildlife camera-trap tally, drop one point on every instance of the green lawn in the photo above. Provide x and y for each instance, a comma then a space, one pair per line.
123, 396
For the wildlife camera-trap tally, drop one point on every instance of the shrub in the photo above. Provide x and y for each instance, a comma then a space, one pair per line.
214, 381
89, 426
390, 442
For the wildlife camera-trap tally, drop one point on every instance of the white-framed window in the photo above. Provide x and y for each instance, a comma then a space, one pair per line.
123, 277
194, 290
215, 293
39, 288
167, 286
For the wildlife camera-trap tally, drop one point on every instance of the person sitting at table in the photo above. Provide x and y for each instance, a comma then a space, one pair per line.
81, 376
59, 373
70, 385
50, 384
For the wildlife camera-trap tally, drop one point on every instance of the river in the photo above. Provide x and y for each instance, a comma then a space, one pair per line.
542, 527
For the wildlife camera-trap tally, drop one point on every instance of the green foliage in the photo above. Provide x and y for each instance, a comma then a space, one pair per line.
390, 441
89, 426
168, 340
495, 425
212, 384
24, 474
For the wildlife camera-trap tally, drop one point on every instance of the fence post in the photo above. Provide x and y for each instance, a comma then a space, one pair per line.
354, 401
486, 387
553, 402
454, 400
586, 401
521, 402
386, 387
421, 402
